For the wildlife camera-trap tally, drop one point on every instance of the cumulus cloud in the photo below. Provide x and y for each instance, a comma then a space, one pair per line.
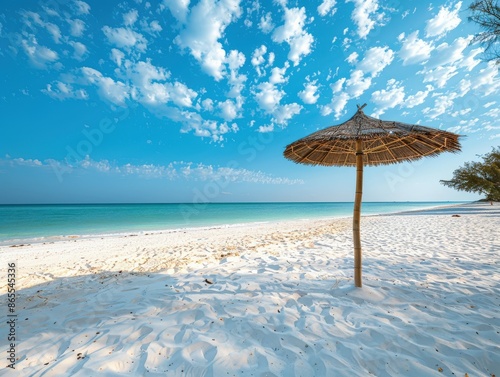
77, 27
449, 53
418, 98
40, 56
414, 50
32, 20
178, 8
487, 80
268, 96
258, 59
229, 110
266, 128
446, 20
117, 56
388, 98
439, 75
108, 89
152, 88
81, 7
336, 106
130, 17
205, 128
266, 23
309, 94
204, 27
293, 33
327, 7
442, 104
125, 38
365, 16
80, 50
375, 60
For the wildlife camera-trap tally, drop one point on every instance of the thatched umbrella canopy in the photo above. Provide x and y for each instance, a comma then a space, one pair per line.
363, 140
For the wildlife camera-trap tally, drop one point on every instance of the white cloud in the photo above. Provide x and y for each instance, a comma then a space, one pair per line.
175, 170
206, 128
40, 56
258, 58
113, 91
357, 84
494, 113
125, 38
117, 56
449, 54
278, 74
439, 76
266, 128
77, 27
178, 8
62, 91
82, 7
31, 19
362, 16
80, 50
309, 94
388, 98
271, 58
442, 104
327, 7
337, 86
26, 162
352, 58
469, 62
446, 20
268, 96
204, 27
283, 113
487, 81
414, 49
207, 104
130, 17
336, 106
155, 27
293, 33
418, 98
266, 23
229, 110
489, 104
152, 89
375, 60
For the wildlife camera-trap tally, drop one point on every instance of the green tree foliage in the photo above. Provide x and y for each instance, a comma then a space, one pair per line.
481, 177
486, 13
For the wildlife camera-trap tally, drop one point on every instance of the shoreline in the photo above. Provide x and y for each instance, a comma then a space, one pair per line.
267, 300
19, 242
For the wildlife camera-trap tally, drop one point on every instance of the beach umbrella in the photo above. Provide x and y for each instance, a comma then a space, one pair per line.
364, 140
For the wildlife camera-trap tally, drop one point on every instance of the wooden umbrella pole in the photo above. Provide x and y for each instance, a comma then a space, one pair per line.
357, 213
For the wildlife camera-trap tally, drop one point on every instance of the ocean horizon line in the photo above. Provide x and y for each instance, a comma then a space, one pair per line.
250, 202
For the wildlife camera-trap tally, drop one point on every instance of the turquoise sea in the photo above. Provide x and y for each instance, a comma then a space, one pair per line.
32, 223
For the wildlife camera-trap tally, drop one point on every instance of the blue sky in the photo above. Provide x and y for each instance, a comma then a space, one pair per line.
195, 101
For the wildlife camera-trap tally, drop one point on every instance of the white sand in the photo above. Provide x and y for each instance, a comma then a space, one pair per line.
281, 302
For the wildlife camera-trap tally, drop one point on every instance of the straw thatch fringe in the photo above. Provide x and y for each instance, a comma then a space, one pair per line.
384, 142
